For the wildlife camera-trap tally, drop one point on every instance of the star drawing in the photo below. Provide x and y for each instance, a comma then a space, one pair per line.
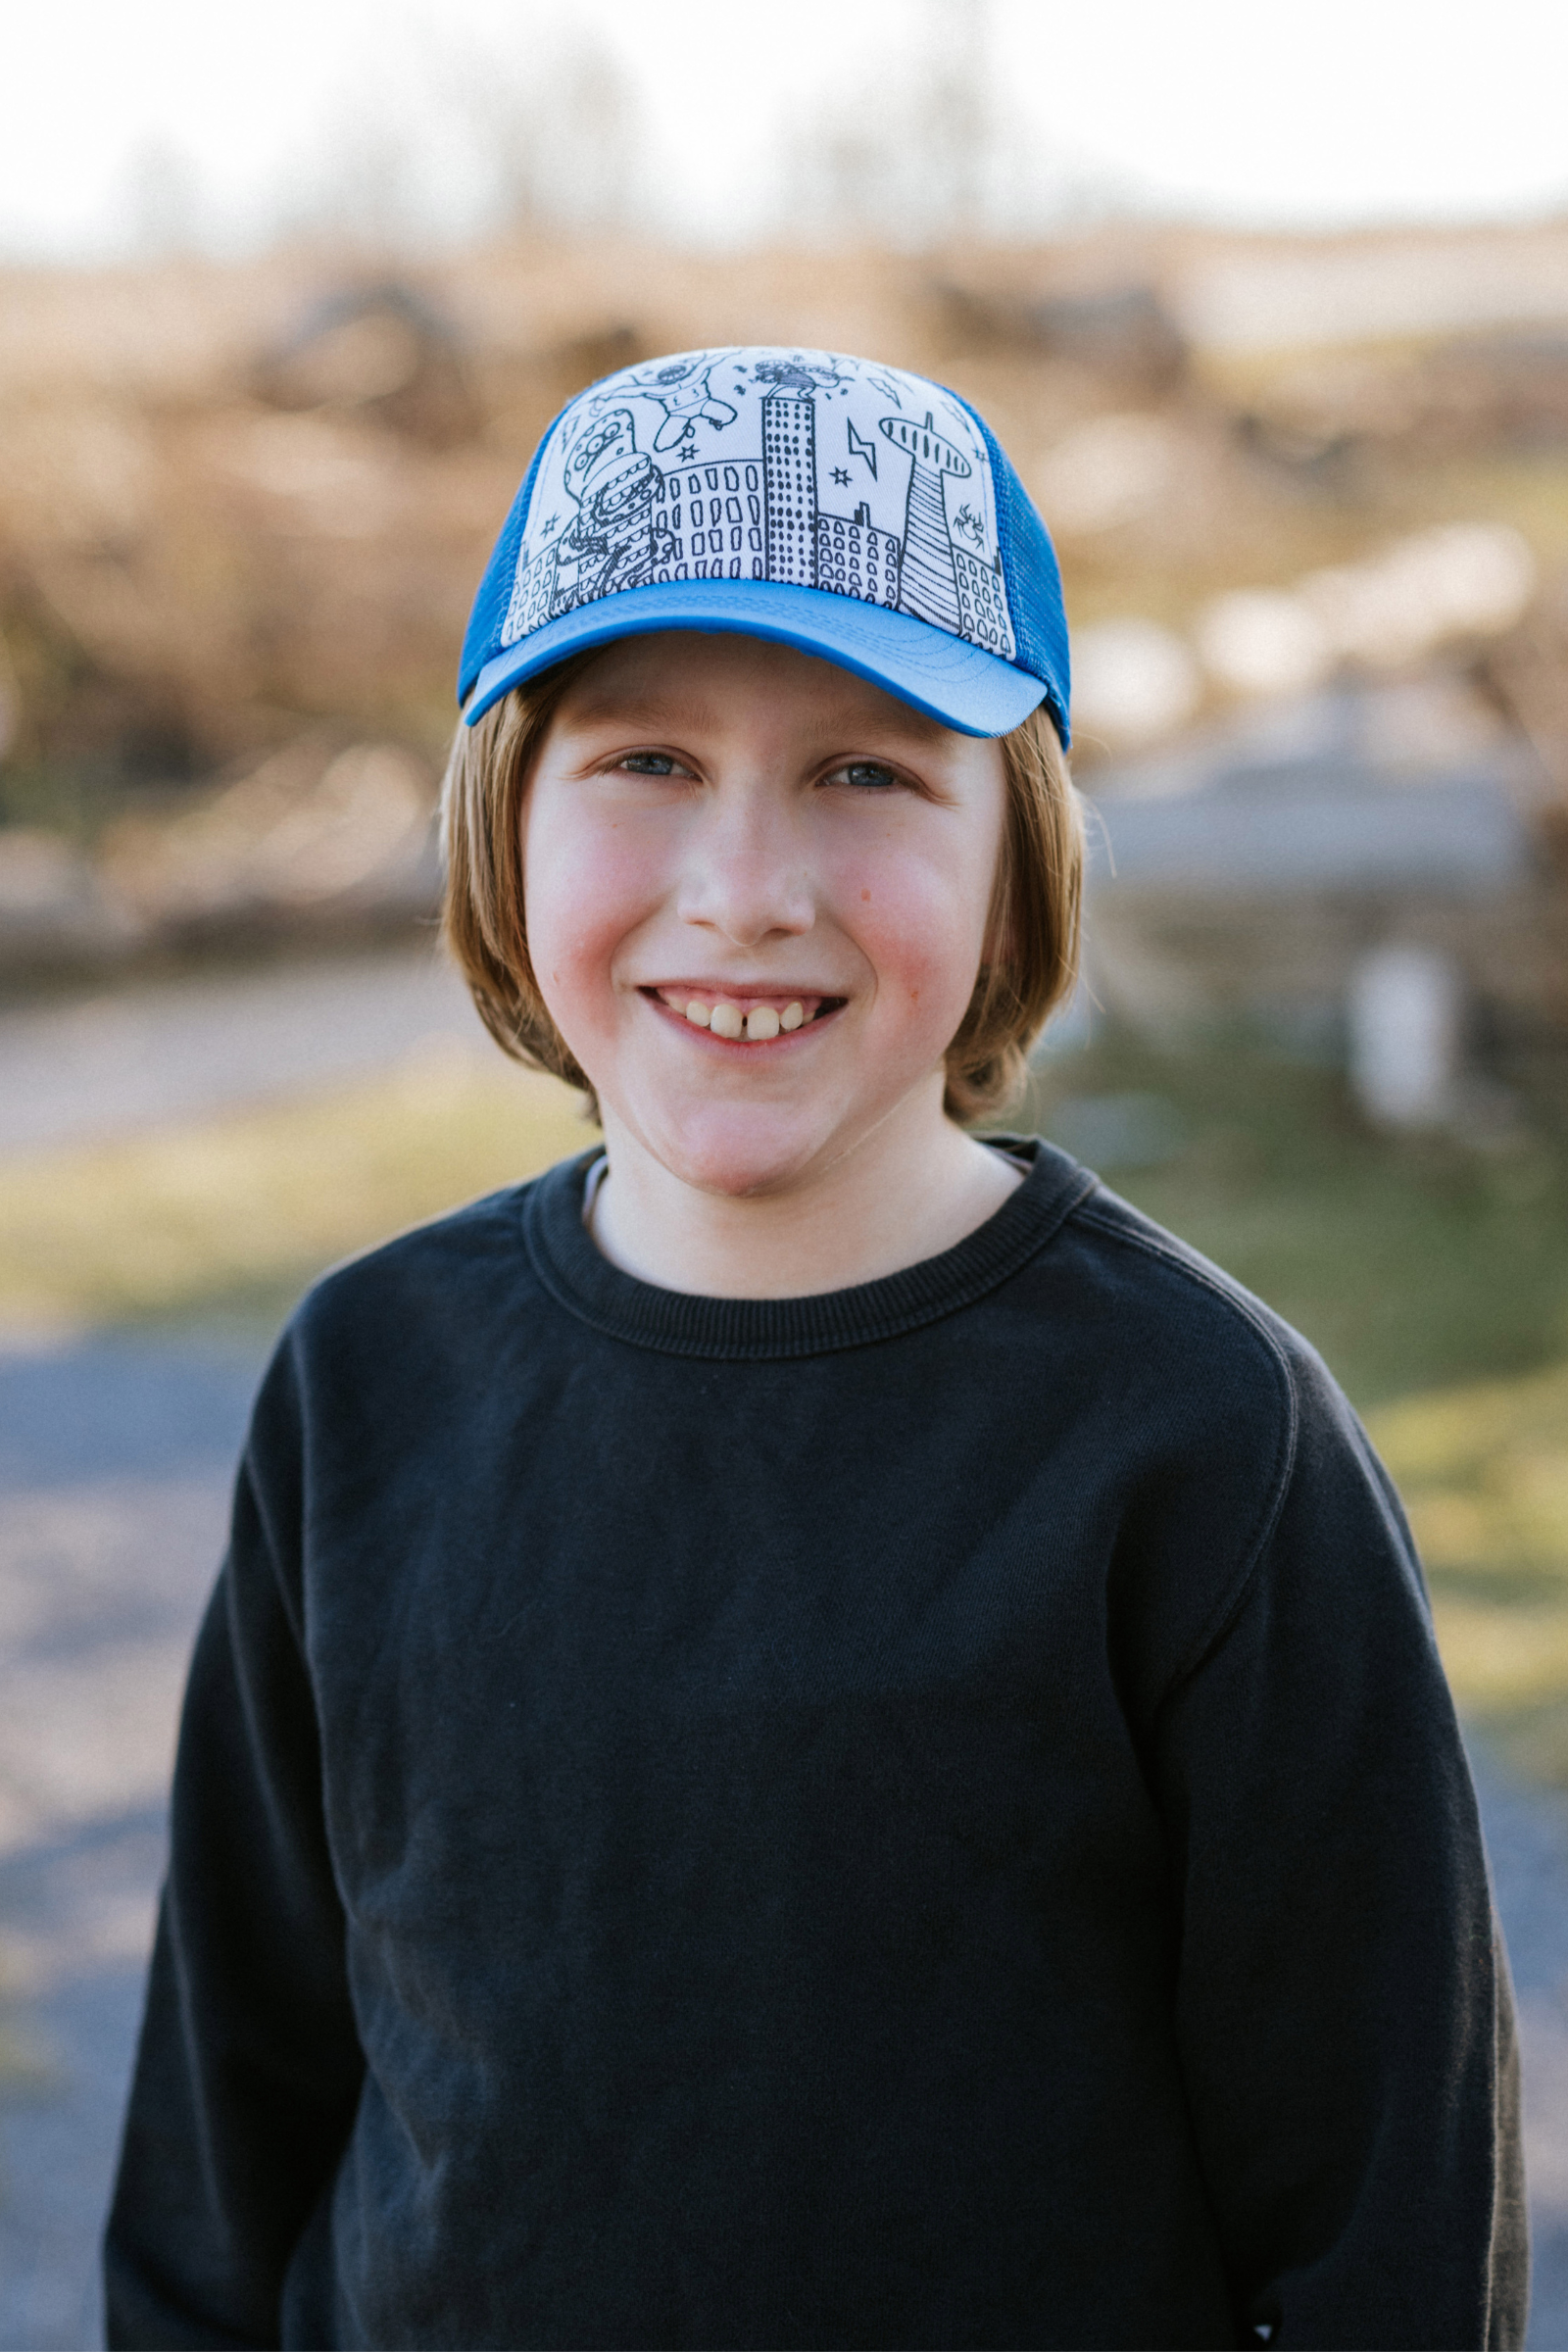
841, 474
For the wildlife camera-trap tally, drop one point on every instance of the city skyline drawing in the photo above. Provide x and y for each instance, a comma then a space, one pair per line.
713, 465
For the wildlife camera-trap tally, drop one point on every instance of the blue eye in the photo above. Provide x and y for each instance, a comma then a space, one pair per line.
868, 771
648, 764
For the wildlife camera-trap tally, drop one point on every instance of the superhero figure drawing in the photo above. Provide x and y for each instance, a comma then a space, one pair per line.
683, 391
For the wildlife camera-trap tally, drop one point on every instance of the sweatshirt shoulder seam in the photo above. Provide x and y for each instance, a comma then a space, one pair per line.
1228, 1607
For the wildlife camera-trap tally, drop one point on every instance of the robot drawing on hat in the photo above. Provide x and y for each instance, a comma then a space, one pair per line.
615, 539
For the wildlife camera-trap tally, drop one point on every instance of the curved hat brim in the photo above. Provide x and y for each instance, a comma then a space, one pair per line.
961, 685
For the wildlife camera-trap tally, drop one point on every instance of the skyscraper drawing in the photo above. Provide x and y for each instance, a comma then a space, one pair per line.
855, 559
929, 588
983, 603
789, 474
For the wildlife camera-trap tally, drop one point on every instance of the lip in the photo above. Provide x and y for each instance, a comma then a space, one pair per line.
741, 992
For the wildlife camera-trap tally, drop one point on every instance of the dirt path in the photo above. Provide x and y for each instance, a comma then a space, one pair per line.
115, 1061
115, 1463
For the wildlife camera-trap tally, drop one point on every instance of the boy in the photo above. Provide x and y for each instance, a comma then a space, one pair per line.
812, 1734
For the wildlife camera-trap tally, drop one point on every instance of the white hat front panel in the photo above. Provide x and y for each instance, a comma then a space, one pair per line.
800, 468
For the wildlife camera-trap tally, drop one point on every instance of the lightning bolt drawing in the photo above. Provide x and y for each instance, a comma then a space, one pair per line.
862, 449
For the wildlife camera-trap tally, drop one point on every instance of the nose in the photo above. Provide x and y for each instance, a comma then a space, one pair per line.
747, 873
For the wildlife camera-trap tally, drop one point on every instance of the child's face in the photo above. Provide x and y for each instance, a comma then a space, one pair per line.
723, 824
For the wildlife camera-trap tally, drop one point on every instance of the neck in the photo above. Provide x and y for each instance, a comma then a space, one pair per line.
915, 1187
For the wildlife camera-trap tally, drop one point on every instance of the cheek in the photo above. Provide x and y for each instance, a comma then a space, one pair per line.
585, 889
920, 920
581, 896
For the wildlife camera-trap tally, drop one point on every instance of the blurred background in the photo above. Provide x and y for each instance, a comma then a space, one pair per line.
1270, 308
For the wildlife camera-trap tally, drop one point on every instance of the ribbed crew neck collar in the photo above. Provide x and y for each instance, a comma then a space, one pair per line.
756, 1330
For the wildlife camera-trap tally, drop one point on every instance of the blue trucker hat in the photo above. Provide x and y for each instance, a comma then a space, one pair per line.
851, 510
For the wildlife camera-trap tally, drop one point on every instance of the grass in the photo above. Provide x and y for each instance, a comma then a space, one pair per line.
236, 1214
1483, 1471
1411, 1265
1433, 1278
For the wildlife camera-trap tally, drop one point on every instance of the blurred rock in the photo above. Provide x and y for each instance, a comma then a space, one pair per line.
318, 836
1132, 683
1125, 335
1527, 674
1107, 472
1498, 391
1432, 396
53, 910
1465, 579
1322, 459
1263, 641
332, 483
383, 352
1469, 581
1438, 719
1505, 391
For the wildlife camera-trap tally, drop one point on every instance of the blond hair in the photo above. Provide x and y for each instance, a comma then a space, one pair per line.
1036, 899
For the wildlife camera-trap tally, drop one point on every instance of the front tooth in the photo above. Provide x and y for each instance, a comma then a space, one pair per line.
761, 1022
699, 1014
792, 1016
726, 1020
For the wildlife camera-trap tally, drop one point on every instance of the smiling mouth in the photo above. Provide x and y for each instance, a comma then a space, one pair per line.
746, 1019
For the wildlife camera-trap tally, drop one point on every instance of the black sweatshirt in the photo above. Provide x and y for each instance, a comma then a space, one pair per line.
928, 1815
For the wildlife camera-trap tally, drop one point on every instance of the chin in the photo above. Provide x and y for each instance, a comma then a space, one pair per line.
740, 1153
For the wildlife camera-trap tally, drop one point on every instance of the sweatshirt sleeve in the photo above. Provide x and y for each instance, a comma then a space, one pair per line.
1344, 2009
249, 2066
